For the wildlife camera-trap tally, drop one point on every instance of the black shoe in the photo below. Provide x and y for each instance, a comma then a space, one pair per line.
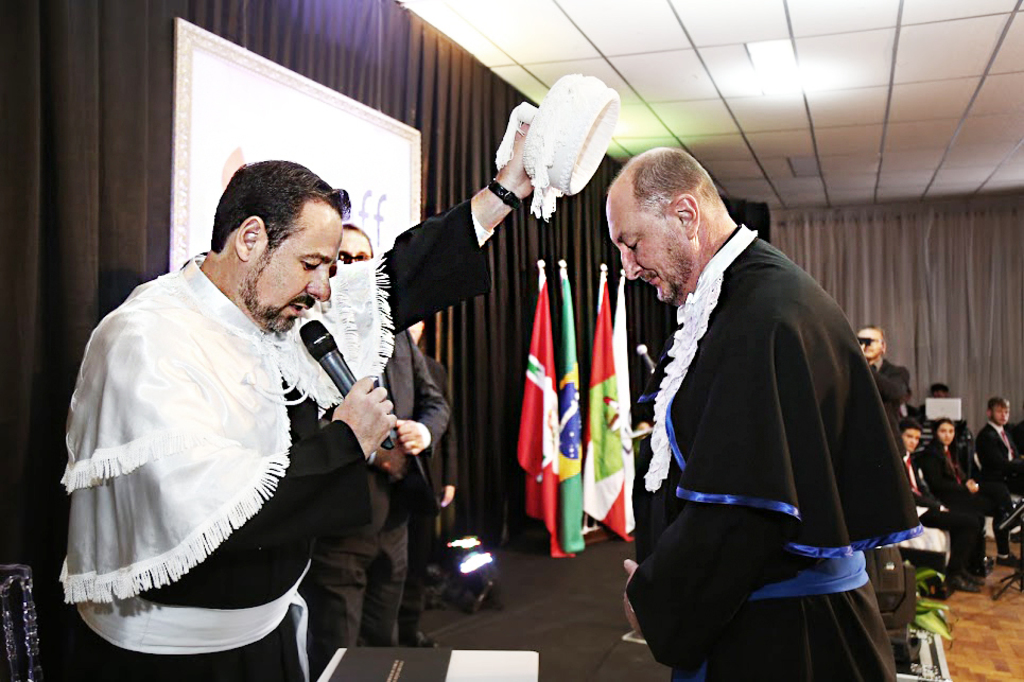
982, 570
979, 581
1010, 560
961, 583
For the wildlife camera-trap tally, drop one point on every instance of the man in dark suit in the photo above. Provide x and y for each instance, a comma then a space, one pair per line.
443, 471
892, 380
354, 585
966, 528
998, 455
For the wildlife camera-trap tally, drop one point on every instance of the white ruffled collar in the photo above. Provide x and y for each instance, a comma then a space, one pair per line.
693, 317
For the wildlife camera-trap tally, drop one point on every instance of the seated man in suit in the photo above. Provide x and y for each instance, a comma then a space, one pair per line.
998, 454
354, 585
954, 489
1017, 433
966, 528
892, 380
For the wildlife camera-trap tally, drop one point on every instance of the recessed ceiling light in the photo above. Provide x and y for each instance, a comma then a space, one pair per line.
775, 65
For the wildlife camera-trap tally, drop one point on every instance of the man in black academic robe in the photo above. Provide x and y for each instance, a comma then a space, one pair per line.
780, 464
324, 491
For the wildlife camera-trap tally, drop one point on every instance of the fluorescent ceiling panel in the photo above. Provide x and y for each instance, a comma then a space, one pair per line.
666, 76
731, 70
948, 49
704, 117
532, 31
439, 15
862, 106
730, 22
814, 17
846, 60
632, 27
920, 11
931, 99
782, 144
770, 112
1001, 94
550, 72
521, 80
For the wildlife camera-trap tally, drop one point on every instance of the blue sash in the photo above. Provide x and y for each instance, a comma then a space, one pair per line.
830, 576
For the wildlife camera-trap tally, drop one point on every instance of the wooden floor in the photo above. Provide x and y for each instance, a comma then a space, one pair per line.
988, 636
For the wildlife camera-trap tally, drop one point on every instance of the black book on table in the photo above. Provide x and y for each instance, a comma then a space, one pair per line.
373, 664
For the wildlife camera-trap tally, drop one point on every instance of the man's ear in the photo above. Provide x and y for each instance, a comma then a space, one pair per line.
686, 210
250, 239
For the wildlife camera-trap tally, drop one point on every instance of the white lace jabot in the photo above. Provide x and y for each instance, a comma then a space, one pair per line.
693, 318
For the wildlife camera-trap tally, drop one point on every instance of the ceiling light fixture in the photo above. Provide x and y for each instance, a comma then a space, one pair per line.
775, 65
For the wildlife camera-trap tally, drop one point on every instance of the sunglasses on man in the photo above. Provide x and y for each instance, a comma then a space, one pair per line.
864, 341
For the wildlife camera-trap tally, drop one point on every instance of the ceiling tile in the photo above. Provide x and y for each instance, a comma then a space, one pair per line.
949, 49
912, 160
826, 63
948, 176
920, 134
627, 28
777, 167
918, 11
666, 76
751, 190
521, 80
897, 194
814, 17
769, 112
845, 164
1001, 94
703, 117
1017, 160
989, 155
848, 139
782, 144
1011, 52
805, 199
639, 145
798, 185
447, 21
952, 189
931, 99
862, 106
905, 178
732, 71
842, 182
718, 147
537, 31
636, 120
991, 129
734, 170
851, 197
617, 151
1009, 174
550, 72
748, 21
994, 185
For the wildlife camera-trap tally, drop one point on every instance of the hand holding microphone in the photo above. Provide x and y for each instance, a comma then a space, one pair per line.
366, 408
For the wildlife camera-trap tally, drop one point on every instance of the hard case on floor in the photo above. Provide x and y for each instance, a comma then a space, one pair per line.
932, 664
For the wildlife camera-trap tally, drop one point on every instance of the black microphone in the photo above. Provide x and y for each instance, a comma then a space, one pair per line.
322, 347
641, 350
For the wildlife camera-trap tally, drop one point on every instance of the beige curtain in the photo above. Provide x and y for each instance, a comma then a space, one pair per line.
945, 281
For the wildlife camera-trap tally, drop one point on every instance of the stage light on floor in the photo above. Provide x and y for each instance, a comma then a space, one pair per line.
472, 575
474, 561
465, 543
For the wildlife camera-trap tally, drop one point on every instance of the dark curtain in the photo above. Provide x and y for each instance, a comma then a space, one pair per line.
753, 214
86, 106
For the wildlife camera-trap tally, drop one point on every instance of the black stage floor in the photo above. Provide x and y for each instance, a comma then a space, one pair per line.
569, 610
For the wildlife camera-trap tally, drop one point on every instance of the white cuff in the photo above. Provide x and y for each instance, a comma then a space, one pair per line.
424, 431
482, 235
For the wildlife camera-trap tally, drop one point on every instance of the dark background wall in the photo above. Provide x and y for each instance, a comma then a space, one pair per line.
86, 110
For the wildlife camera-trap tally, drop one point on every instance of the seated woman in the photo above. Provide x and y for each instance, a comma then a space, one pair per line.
949, 484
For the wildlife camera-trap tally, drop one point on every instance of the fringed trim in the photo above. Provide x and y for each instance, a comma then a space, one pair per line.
169, 567
107, 463
386, 347
523, 113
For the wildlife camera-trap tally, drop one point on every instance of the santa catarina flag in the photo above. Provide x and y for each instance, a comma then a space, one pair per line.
538, 428
570, 483
603, 473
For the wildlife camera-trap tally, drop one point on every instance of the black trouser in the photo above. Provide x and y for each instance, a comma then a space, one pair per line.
992, 499
421, 540
353, 590
966, 536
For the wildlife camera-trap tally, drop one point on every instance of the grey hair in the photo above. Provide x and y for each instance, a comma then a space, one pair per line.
660, 175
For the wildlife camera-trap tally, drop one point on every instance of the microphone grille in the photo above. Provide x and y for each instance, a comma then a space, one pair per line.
318, 340
641, 349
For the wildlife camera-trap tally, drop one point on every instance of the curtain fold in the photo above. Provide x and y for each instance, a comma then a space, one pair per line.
87, 128
945, 280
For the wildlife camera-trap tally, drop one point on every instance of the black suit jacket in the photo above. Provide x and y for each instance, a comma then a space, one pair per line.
939, 475
444, 463
893, 384
993, 456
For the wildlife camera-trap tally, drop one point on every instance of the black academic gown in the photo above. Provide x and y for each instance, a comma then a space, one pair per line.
324, 492
788, 459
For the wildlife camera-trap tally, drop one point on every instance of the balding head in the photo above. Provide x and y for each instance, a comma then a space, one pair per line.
660, 175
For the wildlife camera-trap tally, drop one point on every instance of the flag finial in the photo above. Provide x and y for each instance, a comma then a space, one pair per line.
604, 268
562, 264
540, 264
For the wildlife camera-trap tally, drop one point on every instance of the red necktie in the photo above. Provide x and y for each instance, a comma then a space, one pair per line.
1009, 448
910, 475
956, 469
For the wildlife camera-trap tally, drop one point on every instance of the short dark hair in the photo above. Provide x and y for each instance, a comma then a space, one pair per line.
942, 420
275, 191
938, 387
998, 401
881, 332
352, 227
909, 424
